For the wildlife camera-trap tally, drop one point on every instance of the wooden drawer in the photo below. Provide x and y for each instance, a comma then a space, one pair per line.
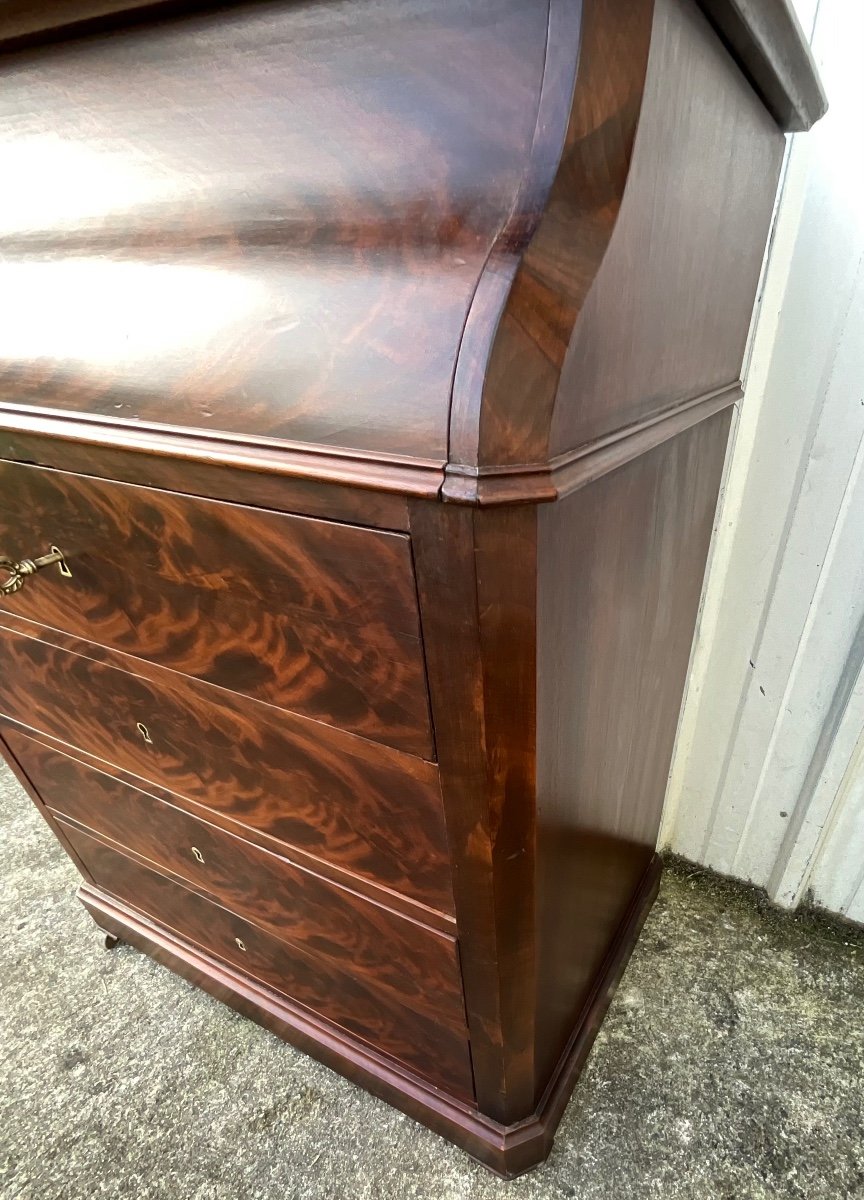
317, 617
432, 1049
365, 808
417, 965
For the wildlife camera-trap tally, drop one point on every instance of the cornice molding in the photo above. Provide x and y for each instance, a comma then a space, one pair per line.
524, 483
537, 483
765, 39
324, 464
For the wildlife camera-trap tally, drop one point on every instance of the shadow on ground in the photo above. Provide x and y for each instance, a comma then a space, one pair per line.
730, 1066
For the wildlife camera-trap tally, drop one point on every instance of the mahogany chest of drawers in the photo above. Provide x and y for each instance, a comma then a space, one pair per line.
366, 372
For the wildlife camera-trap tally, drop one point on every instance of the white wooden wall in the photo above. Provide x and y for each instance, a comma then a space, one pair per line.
768, 778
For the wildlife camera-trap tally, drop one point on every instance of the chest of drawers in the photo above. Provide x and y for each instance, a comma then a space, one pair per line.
366, 374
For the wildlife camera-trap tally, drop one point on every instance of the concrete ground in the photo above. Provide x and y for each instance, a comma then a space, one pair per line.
730, 1066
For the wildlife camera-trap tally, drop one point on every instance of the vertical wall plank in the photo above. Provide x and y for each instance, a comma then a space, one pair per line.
769, 727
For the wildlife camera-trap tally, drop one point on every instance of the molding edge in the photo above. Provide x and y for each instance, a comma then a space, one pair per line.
321, 464
533, 483
507, 1150
456, 483
770, 48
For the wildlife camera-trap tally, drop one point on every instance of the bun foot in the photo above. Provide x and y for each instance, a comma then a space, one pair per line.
111, 940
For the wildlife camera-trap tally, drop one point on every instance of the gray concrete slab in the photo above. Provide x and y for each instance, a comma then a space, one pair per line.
730, 1066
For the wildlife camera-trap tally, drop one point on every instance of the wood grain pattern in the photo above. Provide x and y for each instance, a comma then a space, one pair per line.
763, 35
438, 1053
476, 579
768, 44
504, 395
45, 443
604, 323
44, 812
673, 295
368, 809
544, 482
311, 290
506, 1150
415, 965
554, 771
469, 258
359, 1060
610, 680
377, 892
261, 256
319, 618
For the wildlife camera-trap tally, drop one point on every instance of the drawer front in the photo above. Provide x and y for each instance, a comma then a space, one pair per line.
417, 965
438, 1053
362, 807
317, 617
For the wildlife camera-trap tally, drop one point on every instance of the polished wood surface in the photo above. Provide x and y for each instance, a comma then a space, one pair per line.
764, 36
376, 362
438, 1053
368, 809
576, 618
768, 44
288, 320
538, 388
506, 387
43, 440
668, 333
261, 259
608, 701
316, 617
417, 966
477, 581
372, 889
506, 1150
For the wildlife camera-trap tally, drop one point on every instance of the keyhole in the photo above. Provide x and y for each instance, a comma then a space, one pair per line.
197, 853
62, 565
144, 731
241, 945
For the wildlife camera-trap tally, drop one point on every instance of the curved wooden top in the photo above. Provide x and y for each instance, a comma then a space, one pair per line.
763, 35
320, 234
267, 222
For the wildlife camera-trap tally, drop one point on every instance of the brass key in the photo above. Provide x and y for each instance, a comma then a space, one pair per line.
18, 572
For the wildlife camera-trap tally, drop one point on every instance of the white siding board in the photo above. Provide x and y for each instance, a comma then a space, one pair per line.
786, 583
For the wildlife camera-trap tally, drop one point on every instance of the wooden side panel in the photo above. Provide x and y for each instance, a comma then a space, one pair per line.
438, 1053
318, 617
418, 966
667, 316
620, 575
526, 342
476, 579
364, 807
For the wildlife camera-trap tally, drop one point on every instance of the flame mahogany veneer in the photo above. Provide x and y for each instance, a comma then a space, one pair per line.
372, 366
